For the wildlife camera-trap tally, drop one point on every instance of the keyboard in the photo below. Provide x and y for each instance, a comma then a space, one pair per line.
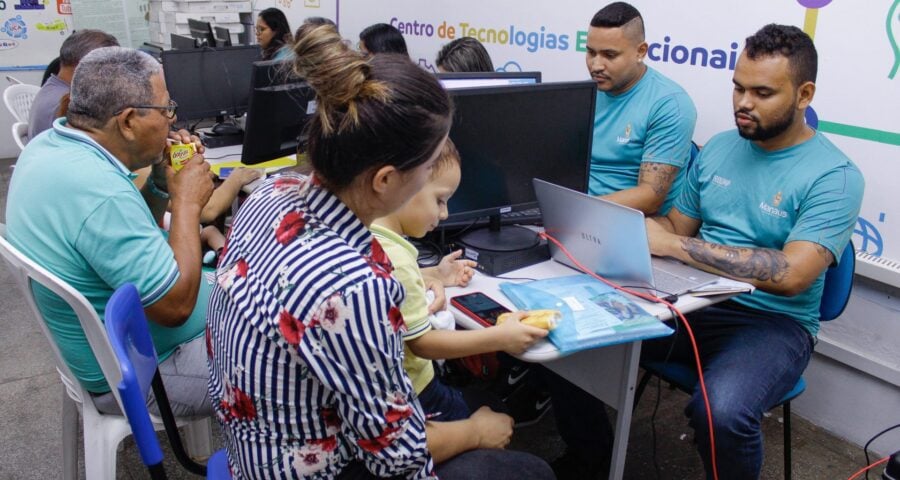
667, 283
531, 216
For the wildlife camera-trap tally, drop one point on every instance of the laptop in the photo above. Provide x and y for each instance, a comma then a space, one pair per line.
611, 239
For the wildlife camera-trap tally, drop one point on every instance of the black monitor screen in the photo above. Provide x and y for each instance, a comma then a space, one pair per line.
280, 107
202, 31
180, 42
209, 82
508, 135
452, 81
223, 37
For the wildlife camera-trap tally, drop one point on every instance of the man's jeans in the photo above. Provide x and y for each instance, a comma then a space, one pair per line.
750, 360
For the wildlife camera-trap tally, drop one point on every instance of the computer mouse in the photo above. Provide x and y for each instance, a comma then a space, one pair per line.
226, 129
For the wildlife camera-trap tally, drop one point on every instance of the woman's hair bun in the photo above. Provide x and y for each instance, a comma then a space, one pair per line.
338, 74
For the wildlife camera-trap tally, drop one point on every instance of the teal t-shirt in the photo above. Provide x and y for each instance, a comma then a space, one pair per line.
283, 53
748, 197
651, 122
74, 209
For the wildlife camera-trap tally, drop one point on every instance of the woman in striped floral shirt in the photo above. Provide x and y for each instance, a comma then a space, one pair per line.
304, 328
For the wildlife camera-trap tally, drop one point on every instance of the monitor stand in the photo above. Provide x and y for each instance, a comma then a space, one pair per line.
499, 249
222, 134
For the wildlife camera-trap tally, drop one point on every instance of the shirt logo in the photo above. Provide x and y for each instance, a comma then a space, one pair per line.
771, 210
627, 137
721, 181
776, 199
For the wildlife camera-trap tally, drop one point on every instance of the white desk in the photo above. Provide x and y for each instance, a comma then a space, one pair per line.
608, 373
231, 153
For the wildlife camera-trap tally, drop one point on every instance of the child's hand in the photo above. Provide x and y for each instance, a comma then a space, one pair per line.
515, 337
440, 297
455, 272
243, 175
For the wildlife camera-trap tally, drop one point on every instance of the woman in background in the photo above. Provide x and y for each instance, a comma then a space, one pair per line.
464, 54
273, 33
382, 38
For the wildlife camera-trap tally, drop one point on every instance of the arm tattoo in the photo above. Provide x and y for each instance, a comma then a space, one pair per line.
658, 175
763, 264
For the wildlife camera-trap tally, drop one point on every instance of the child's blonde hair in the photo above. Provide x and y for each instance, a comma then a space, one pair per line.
449, 156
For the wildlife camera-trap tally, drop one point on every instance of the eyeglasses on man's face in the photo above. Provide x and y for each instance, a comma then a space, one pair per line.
167, 110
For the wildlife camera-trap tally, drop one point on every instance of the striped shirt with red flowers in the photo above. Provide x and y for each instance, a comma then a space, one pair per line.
306, 352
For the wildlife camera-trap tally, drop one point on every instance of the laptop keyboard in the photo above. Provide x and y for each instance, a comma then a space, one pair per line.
669, 283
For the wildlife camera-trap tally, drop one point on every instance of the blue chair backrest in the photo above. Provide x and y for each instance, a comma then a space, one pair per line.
838, 285
126, 326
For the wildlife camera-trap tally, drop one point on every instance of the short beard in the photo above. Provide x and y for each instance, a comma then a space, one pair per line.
777, 127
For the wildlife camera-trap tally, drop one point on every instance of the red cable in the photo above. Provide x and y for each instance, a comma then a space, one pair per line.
655, 299
864, 470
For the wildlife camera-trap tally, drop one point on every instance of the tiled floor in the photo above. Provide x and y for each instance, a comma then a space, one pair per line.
30, 399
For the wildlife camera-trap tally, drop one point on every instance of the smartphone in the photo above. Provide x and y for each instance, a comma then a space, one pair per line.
479, 307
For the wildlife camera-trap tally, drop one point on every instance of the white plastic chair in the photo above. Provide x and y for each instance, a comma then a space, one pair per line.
12, 79
102, 433
20, 134
18, 99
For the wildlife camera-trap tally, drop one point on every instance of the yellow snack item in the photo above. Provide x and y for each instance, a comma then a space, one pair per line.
546, 319
180, 153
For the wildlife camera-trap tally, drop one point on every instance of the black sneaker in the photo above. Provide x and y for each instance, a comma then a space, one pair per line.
527, 405
570, 466
511, 380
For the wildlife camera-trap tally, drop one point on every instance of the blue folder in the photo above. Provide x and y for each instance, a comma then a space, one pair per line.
593, 313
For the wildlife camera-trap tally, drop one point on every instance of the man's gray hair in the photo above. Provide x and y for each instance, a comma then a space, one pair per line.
108, 80
80, 43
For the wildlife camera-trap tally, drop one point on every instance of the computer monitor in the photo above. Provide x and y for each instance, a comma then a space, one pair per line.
223, 37
280, 106
210, 82
506, 136
153, 50
203, 32
180, 42
455, 80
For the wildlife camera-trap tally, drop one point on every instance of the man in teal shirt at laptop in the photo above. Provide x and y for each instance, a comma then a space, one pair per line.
73, 208
642, 140
774, 204
643, 123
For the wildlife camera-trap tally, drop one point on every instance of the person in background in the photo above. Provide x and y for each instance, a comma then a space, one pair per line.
273, 33
644, 121
52, 69
464, 54
381, 38
310, 24
46, 104
305, 327
772, 203
74, 209
317, 21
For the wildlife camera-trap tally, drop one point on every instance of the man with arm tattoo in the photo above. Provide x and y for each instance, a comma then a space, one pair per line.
772, 203
644, 121
642, 140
